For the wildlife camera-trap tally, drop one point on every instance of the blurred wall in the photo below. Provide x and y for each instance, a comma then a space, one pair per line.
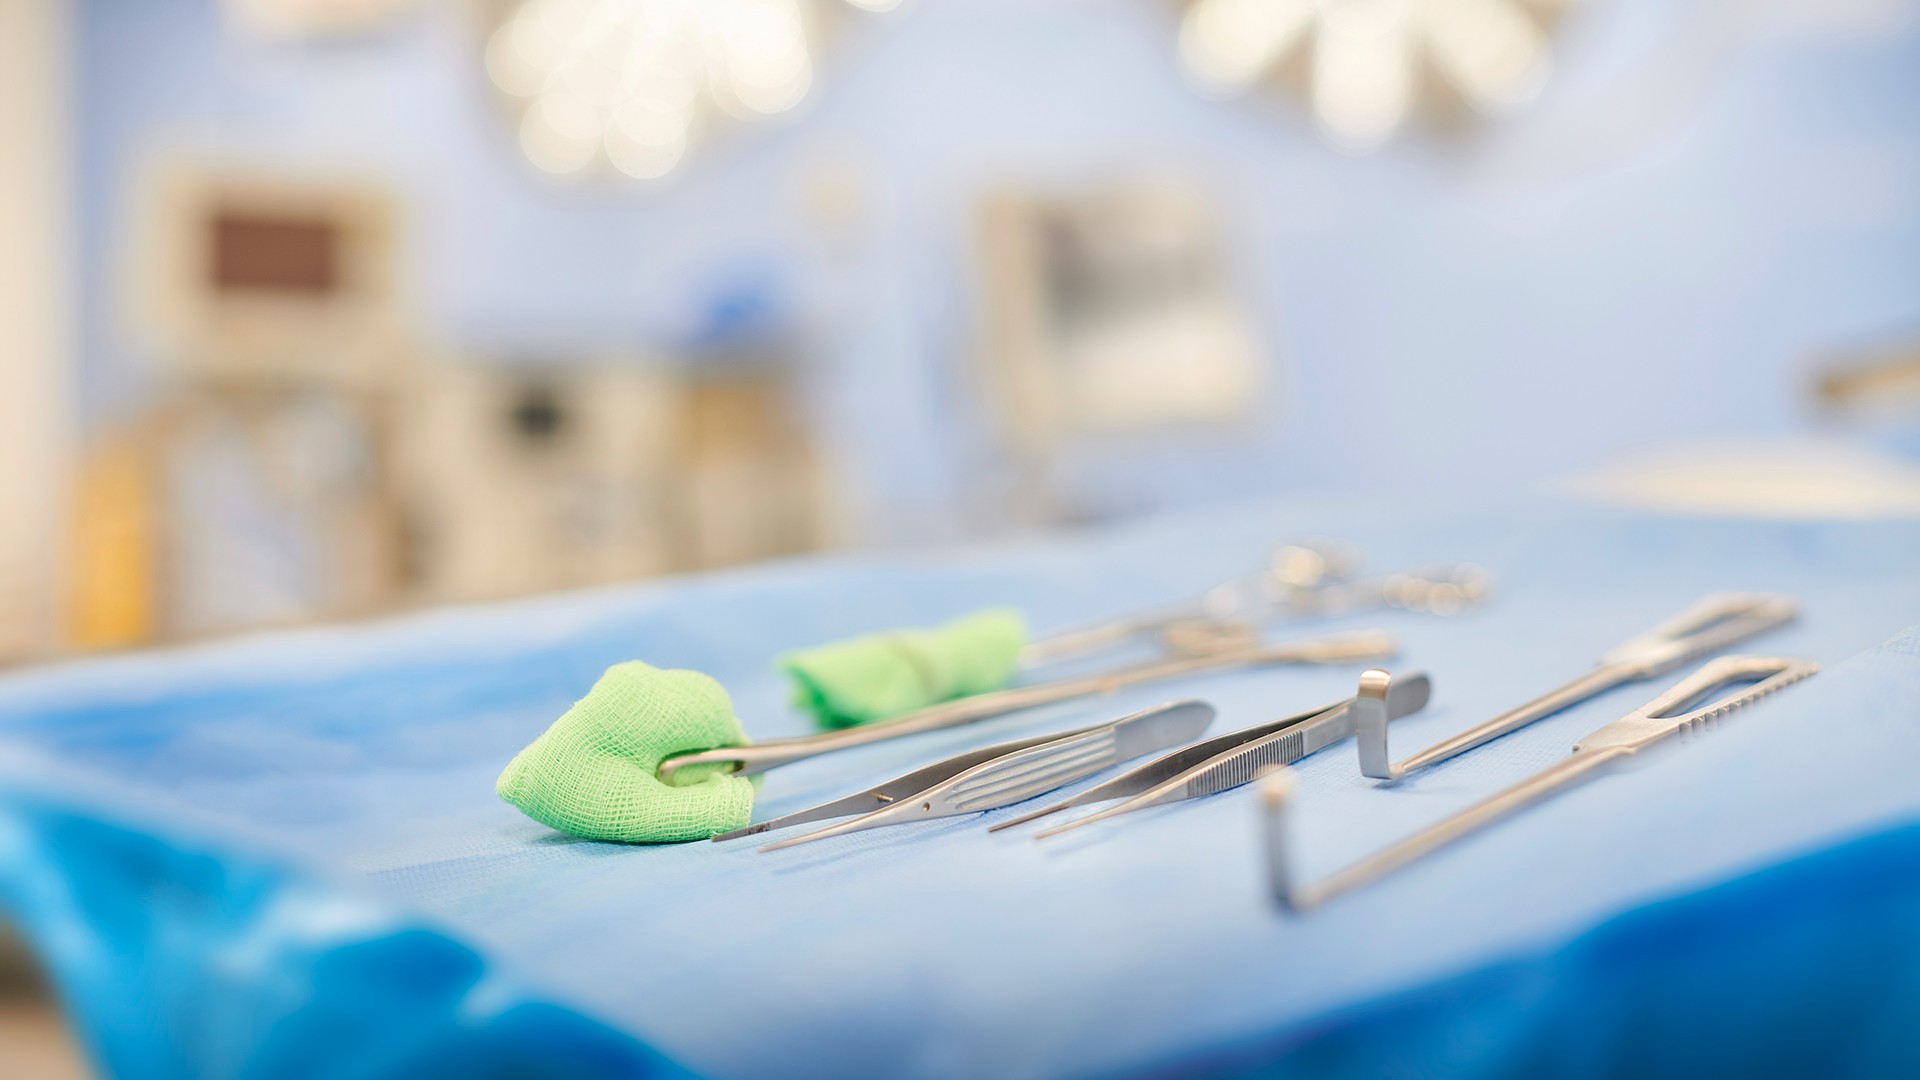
1706, 194
35, 316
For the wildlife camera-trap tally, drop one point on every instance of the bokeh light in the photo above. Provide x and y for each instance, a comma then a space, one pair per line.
1367, 59
632, 84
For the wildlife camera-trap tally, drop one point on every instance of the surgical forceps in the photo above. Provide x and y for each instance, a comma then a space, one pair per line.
1623, 738
1000, 775
1339, 648
1303, 580
1710, 625
1228, 761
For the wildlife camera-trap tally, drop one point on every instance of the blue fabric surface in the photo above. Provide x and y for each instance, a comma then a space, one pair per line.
182, 961
1810, 968
366, 755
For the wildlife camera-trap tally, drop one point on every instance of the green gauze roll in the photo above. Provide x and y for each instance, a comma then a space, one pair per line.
884, 675
595, 773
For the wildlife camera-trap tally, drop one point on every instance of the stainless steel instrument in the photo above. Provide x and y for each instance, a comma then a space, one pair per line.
1303, 580
1341, 648
1227, 761
997, 776
1659, 719
1713, 624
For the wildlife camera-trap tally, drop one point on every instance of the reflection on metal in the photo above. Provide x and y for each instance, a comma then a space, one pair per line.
1365, 62
1702, 695
634, 83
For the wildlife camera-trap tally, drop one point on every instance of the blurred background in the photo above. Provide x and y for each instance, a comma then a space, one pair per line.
314, 309
318, 309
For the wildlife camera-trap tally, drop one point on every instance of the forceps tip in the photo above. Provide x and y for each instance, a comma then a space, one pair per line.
1069, 826
745, 830
1024, 818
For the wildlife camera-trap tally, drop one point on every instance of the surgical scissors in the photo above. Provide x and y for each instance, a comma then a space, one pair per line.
1227, 761
1340, 648
1712, 624
1623, 738
1304, 580
999, 775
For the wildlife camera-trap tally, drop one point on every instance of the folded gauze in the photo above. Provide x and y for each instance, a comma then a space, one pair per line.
885, 675
595, 772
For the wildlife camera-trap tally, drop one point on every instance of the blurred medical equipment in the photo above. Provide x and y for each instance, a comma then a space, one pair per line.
1715, 623
998, 775
1302, 581
1621, 739
1339, 648
1228, 761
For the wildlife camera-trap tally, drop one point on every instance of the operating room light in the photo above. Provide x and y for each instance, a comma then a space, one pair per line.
635, 83
1366, 60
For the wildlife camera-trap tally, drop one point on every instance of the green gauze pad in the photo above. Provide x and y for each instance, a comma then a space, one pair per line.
595, 773
883, 675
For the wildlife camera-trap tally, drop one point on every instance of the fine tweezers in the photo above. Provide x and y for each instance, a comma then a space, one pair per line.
1230, 760
1001, 775
1340, 648
1716, 622
1621, 739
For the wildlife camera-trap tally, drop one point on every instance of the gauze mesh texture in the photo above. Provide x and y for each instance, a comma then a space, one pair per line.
595, 772
884, 675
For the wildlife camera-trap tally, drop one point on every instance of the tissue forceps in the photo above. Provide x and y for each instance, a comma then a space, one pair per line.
1227, 761
1712, 624
1000, 775
1657, 720
1339, 648
1303, 580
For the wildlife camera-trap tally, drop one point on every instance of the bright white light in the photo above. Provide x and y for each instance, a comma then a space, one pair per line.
552, 150
1363, 68
507, 62
1365, 56
1491, 51
1233, 42
640, 158
628, 81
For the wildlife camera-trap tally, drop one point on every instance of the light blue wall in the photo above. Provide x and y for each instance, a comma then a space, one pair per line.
1709, 194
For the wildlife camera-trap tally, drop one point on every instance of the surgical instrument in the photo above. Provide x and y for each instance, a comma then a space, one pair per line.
1227, 761
1621, 739
1303, 580
1339, 648
1712, 624
1001, 775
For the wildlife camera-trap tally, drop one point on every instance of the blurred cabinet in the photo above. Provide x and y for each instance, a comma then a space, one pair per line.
307, 456
557, 475
1110, 313
519, 480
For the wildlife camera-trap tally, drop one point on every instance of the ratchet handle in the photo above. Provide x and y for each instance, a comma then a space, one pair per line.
1668, 714
1707, 627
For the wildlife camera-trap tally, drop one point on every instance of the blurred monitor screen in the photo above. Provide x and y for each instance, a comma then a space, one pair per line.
276, 253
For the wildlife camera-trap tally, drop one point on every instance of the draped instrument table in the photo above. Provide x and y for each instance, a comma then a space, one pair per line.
283, 856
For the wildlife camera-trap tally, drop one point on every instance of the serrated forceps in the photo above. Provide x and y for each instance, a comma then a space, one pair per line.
1714, 623
1339, 648
996, 776
1228, 761
1654, 722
